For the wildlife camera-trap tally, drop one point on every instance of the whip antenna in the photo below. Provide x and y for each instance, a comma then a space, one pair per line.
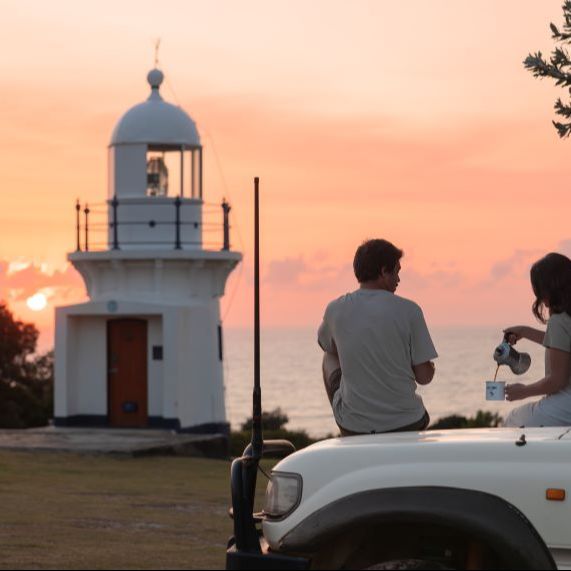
257, 436
157, 46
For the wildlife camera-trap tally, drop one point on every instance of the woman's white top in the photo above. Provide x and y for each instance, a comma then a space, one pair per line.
555, 409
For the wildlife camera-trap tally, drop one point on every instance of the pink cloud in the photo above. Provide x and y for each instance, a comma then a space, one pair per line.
300, 288
564, 247
308, 273
516, 265
20, 284
285, 272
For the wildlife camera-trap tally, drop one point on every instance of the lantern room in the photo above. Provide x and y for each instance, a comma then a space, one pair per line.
155, 176
155, 150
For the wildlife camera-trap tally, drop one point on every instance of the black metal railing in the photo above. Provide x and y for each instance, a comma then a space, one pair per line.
100, 226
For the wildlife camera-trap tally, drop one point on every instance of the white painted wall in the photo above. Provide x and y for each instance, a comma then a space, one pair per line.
155, 368
135, 215
61, 357
173, 337
128, 171
166, 277
201, 382
80, 364
88, 365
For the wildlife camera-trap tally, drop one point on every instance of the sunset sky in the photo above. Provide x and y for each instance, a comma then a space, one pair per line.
413, 121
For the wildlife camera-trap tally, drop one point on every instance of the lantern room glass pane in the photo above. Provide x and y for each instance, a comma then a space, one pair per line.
157, 175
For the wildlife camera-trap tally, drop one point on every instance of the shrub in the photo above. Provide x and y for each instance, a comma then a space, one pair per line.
483, 419
273, 426
274, 420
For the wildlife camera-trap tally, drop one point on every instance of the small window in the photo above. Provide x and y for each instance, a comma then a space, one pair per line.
157, 352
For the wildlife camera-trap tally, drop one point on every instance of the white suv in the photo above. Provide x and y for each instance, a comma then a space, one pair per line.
458, 499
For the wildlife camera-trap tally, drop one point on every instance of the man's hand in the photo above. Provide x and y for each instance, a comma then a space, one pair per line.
516, 391
424, 373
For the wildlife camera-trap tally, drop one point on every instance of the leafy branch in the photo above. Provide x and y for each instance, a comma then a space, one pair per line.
558, 68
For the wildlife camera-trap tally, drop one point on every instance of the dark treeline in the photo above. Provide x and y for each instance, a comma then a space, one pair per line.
26, 378
273, 425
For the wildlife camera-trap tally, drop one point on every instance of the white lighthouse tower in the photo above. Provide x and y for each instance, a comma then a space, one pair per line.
146, 349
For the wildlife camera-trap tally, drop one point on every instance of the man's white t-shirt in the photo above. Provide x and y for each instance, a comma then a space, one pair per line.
379, 336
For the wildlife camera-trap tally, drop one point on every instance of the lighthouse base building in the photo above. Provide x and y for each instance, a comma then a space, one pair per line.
147, 349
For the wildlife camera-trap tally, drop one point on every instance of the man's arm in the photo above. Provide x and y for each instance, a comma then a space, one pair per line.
330, 365
422, 349
325, 338
424, 373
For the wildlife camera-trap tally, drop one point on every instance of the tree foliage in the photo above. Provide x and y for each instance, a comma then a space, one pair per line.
558, 68
26, 379
273, 420
483, 419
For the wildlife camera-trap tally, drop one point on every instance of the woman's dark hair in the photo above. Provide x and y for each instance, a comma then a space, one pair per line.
551, 283
373, 256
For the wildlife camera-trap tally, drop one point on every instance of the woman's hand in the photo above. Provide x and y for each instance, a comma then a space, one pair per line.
515, 333
516, 391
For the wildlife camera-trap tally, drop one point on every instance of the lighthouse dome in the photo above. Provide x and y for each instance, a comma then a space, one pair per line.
156, 122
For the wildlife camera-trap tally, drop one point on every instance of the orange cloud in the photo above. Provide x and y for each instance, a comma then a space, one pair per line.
19, 285
60, 287
515, 266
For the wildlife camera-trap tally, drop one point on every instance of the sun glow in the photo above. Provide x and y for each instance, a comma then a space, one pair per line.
37, 302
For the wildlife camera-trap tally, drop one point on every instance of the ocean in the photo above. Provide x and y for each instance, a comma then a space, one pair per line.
291, 375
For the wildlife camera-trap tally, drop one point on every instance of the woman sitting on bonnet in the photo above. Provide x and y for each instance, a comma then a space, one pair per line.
551, 283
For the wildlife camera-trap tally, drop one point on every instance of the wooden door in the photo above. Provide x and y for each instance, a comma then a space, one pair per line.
127, 372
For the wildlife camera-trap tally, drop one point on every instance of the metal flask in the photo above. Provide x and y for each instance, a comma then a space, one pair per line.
518, 362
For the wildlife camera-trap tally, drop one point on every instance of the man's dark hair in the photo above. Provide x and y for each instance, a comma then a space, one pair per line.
551, 283
373, 256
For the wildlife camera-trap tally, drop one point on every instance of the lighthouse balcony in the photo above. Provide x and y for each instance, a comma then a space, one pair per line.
159, 223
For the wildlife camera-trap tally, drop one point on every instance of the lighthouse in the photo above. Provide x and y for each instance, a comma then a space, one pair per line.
146, 349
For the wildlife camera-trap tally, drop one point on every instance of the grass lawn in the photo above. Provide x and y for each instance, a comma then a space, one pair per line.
71, 511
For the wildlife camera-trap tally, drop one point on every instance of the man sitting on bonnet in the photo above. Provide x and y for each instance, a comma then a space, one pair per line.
377, 347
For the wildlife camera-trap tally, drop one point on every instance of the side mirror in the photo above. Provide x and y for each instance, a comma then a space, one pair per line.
277, 448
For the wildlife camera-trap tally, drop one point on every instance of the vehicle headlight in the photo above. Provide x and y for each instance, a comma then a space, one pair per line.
283, 494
